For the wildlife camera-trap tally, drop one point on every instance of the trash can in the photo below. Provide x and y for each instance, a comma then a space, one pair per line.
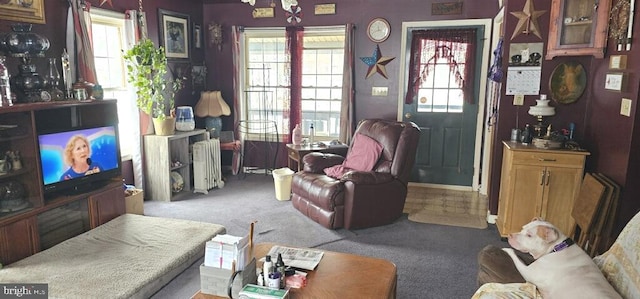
282, 179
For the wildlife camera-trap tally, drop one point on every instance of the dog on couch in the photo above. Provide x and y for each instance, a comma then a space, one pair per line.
561, 269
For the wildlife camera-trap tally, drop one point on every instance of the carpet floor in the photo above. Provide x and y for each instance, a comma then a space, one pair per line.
433, 261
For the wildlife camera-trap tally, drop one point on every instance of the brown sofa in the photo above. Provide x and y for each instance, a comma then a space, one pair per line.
359, 199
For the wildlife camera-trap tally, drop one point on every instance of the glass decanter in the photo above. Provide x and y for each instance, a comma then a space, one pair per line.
53, 80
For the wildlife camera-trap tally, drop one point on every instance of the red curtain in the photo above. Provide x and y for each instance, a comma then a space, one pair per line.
458, 45
85, 67
294, 49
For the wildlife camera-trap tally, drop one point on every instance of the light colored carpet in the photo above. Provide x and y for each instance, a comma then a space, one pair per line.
446, 207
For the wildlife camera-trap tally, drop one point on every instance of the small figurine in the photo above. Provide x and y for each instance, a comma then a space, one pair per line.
16, 162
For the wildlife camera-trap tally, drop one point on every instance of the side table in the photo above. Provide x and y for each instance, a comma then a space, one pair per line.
297, 152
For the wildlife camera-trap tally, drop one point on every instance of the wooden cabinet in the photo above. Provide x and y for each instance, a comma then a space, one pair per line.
19, 240
37, 220
578, 27
166, 154
106, 205
538, 183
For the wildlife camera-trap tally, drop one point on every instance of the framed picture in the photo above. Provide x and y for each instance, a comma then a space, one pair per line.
23, 11
174, 34
617, 62
197, 36
614, 81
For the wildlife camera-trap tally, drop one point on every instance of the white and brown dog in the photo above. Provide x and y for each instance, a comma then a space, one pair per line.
561, 269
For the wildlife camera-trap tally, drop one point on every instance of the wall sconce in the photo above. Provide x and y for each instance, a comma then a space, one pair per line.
215, 35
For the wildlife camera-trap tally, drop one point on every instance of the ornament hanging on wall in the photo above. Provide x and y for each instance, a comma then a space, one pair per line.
527, 20
294, 14
377, 63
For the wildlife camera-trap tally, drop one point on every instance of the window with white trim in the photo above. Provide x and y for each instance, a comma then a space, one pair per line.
267, 76
108, 44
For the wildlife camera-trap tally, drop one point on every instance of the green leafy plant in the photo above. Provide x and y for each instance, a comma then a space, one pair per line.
146, 71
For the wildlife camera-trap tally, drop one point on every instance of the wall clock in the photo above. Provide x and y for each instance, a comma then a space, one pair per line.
378, 30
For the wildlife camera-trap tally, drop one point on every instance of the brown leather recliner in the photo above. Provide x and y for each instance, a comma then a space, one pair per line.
359, 199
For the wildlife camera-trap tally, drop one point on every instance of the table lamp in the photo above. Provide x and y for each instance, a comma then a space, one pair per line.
540, 110
211, 106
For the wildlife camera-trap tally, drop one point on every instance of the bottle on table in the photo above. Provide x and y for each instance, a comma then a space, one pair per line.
279, 267
267, 267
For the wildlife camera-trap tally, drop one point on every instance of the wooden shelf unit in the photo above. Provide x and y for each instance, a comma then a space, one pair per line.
160, 153
538, 183
19, 230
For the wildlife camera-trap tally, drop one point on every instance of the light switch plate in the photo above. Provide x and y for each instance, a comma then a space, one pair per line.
625, 107
518, 100
379, 91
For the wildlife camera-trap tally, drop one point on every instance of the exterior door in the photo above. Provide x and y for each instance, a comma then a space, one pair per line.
448, 123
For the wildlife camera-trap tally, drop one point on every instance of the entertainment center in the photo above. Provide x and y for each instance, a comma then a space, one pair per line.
36, 211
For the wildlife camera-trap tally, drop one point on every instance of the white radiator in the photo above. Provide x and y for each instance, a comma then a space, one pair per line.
206, 166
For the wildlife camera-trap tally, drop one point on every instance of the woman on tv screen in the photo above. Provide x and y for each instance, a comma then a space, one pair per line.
77, 154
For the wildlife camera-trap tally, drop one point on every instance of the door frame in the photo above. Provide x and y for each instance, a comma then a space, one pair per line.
404, 58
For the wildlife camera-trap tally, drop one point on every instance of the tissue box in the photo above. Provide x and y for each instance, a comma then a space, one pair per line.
134, 203
215, 281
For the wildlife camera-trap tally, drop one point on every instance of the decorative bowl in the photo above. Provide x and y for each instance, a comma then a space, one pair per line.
547, 143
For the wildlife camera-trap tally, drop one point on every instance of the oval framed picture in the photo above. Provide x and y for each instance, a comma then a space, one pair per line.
567, 82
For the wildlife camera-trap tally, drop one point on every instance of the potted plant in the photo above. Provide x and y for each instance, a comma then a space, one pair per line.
147, 72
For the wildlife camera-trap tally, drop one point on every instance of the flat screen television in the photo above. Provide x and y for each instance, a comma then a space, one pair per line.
77, 160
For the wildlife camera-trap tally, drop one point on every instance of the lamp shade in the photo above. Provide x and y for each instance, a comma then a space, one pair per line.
542, 108
212, 104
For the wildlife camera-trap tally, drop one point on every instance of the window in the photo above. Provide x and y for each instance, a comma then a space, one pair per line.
108, 44
267, 78
440, 92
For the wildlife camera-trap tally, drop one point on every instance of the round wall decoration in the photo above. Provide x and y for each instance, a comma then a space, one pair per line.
567, 82
378, 30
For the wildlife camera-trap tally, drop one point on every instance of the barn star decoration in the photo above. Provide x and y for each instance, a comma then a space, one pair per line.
527, 20
102, 2
377, 63
294, 14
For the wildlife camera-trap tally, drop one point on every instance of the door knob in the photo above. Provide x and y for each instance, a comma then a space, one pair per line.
407, 115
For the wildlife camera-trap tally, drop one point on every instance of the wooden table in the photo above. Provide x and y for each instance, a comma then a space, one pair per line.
340, 275
297, 152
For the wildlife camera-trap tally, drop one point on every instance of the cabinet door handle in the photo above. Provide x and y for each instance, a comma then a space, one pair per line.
546, 160
547, 181
542, 178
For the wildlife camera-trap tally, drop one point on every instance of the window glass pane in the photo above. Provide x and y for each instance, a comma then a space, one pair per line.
310, 62
308, 93
324, 81
440, 99
455, 100
441, 75
324, 106
308, 106
425, 100
323, 94
309, 80
336, 94
100, 40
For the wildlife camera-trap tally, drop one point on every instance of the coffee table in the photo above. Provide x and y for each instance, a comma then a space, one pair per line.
340, 275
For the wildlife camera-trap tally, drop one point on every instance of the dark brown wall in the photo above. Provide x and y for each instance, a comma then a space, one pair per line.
611, 138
